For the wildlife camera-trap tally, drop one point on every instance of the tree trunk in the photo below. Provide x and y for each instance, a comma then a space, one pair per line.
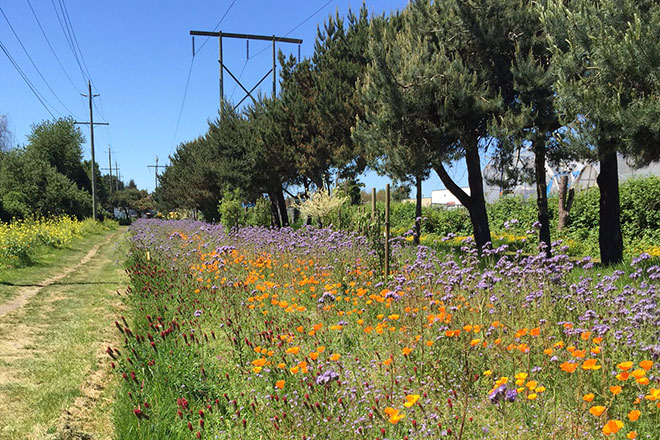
418, 210
274, 214
609, 234
478, 214
542, 195
282, 204
564, 203
475, 202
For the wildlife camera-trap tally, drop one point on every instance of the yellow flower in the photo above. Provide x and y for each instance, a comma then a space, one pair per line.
406, 351
280, 384
411, 399
625, 365
596, 410
634, 415
394, 415
293, 350
590, 364
615, 389
335, 357
612, 427
639, 373
588, 397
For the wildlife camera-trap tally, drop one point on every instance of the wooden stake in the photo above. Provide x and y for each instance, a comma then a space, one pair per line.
387, 231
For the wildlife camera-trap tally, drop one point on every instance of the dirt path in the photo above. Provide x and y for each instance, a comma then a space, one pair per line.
54, 376
28, 292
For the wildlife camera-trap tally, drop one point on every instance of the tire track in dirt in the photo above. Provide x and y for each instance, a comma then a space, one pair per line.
28, 292
77, 419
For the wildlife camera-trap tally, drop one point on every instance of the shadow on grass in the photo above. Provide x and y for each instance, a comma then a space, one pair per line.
58, 283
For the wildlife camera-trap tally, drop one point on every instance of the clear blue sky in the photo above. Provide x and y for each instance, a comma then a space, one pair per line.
138, 54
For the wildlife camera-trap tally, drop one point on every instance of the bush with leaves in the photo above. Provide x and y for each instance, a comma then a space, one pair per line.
232, 213
322, 206
259, 215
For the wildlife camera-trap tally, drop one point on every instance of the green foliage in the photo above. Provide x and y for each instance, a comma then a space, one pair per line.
444, 221
232, 214
31, 186
132, 199
59, 143
512, 207
259, 215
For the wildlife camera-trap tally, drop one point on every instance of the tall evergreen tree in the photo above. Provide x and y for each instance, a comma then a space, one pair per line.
607, 55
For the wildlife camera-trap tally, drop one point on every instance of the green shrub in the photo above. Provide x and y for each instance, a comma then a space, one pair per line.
232, 214
259, 215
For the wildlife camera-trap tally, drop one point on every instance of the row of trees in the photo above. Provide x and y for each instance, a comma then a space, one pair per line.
48, 176
439, 82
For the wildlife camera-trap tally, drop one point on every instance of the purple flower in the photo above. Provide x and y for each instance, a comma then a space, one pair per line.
326, 377
511, 395
497, 394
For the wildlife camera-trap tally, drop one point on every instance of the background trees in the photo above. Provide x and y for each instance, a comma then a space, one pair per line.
437, 83
48, 176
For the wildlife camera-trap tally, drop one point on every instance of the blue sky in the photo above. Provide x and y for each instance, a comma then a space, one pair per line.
138, 54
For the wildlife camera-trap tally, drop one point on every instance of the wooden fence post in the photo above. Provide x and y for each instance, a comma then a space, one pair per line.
387, 231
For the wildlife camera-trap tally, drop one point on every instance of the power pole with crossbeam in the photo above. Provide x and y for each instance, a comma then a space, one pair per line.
248, 37
156, 170
91, 124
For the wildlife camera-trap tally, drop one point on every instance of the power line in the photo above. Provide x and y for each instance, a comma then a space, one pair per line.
297, 26
41, 99
183, 101
68, 40
308, 18
240, 75
217, 25
34, 14
33, 63
67, 18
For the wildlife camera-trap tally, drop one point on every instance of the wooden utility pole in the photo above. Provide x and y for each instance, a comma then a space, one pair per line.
110, 165
118, 175
156, 170
91, 124
373, 204
387, 231
248, 37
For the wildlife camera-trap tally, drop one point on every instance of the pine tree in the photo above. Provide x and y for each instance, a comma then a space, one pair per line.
607, 55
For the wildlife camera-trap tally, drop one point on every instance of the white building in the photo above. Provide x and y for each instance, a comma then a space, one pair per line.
442, 197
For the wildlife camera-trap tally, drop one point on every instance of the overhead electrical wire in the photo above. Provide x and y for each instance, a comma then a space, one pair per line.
308, 18
41, 99
183, 101
33, 63
296, 26
34, 14
217, 25
67, 18
192, 61
69, 41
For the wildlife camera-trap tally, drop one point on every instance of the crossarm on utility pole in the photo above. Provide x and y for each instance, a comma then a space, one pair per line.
247, 36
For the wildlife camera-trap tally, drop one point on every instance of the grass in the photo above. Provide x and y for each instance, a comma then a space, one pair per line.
45, 262
51, 376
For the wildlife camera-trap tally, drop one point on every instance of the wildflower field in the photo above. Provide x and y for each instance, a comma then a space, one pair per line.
277, 334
